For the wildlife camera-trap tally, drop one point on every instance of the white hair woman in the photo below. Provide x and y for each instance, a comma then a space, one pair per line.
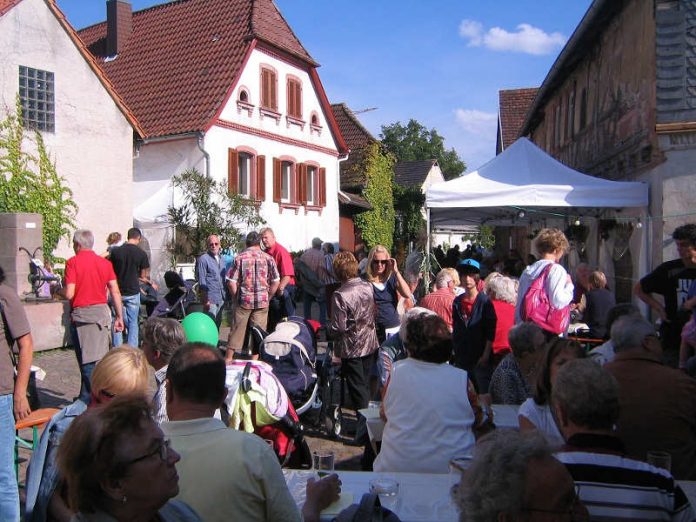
503, 294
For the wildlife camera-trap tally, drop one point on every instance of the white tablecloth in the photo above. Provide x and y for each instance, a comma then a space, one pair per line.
423, 497
504, 415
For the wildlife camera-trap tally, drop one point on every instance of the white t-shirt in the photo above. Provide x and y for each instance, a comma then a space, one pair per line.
429, 417
542, 418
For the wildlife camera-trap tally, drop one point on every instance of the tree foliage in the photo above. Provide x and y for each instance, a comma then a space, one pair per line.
408, 204
414, 142
31, 183
484, 237
208, 208
377, 225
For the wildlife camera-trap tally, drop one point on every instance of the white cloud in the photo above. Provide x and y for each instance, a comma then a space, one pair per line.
477, 122
526, 39
475, 142
472, 31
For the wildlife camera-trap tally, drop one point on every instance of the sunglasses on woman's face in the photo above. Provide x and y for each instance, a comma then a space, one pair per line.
379, 261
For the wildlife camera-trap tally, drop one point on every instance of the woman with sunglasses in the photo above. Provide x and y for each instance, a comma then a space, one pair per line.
387, 284
122, 371
118, 466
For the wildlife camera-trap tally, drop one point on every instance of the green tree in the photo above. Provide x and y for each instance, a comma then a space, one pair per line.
415, 142
207, 208
31, 183
408, 204
377, 225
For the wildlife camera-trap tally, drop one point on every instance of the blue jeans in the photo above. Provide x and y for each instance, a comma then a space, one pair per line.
9, 494
321, 301
131, 311
215, 311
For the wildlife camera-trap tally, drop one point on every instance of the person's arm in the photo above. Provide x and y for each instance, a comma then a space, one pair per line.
26, 351
401, 284
202, 284
232, 285
339, 316
118, 306
284, 281
489, 321
67, 292
274, 288
648, 299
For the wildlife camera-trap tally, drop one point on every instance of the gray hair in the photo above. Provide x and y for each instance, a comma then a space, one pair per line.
442, 279
84, 238
525, 338
413, 313
629, 331
588, 394
163, 335
502, 288
496, 480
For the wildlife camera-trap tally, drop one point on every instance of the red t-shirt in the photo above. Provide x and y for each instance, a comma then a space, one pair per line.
284, 261
505, 313
89, 273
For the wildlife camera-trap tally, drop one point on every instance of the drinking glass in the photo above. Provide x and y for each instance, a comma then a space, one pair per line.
660, 459
387, 489
323, 462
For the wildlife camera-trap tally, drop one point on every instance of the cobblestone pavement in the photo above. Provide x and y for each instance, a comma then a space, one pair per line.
62, 384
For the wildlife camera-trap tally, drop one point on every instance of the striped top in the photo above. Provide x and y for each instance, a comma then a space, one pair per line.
613, 487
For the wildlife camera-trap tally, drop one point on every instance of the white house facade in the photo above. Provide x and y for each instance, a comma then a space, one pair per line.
85, 127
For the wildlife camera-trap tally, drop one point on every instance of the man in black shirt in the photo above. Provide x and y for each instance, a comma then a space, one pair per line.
672, 280
131, 266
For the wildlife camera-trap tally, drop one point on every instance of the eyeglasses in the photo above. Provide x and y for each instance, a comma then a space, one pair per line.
380, 261
213, 244
162, 448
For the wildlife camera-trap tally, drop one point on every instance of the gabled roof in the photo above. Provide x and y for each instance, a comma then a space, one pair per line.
6, 5
513, 105
183, 58
413, 173
356, 136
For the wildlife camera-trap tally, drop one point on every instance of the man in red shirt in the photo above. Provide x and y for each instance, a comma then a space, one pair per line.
283, 302
87, 278
440, 301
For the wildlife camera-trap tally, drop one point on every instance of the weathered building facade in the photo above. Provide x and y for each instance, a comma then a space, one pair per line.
620, 103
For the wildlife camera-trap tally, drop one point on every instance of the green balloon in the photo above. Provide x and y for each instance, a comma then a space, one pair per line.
200, 328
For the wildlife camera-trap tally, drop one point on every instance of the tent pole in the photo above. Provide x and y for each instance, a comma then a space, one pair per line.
428, 247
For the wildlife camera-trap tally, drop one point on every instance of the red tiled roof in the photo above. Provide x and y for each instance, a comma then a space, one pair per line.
513, 107
353, 132
184, 56
6, 5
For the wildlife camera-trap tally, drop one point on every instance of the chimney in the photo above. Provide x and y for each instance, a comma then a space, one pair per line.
119, 25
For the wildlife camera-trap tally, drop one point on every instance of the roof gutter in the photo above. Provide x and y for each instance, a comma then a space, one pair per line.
555, 73
199, 142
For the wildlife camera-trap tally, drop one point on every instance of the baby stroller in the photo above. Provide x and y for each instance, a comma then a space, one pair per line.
177, 302
257, 403
309, 379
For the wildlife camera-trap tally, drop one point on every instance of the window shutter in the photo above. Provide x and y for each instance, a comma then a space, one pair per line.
264, 88
298, 99
322, 187
273, 87
302, 184
276, 180
290, 97
232, 171
261, 178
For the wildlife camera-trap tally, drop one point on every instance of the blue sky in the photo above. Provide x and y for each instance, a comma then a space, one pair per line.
441, 62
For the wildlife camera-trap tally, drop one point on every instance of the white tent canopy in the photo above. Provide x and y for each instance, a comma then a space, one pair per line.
524, 177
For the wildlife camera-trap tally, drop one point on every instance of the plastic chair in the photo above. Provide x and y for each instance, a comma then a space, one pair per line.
37, 419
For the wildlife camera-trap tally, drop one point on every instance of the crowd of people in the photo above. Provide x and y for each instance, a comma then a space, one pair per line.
133, 448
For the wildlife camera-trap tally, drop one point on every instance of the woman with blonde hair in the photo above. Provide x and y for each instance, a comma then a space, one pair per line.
123, 371
551, 245
387, 284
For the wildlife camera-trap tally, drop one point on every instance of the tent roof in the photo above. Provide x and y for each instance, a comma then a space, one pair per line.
525, 176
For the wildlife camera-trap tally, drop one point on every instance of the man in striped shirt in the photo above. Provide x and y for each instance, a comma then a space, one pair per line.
613, 487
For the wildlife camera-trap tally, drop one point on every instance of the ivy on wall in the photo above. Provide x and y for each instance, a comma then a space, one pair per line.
410, 224
31, 183
377, 225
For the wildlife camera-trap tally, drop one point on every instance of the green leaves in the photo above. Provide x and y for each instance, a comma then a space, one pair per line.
208, 208
414, 142
377, 225
32, 184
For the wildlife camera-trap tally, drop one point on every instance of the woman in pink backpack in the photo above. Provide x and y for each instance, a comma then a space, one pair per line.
546, 290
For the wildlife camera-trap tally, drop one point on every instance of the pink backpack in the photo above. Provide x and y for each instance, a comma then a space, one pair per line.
536, 307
